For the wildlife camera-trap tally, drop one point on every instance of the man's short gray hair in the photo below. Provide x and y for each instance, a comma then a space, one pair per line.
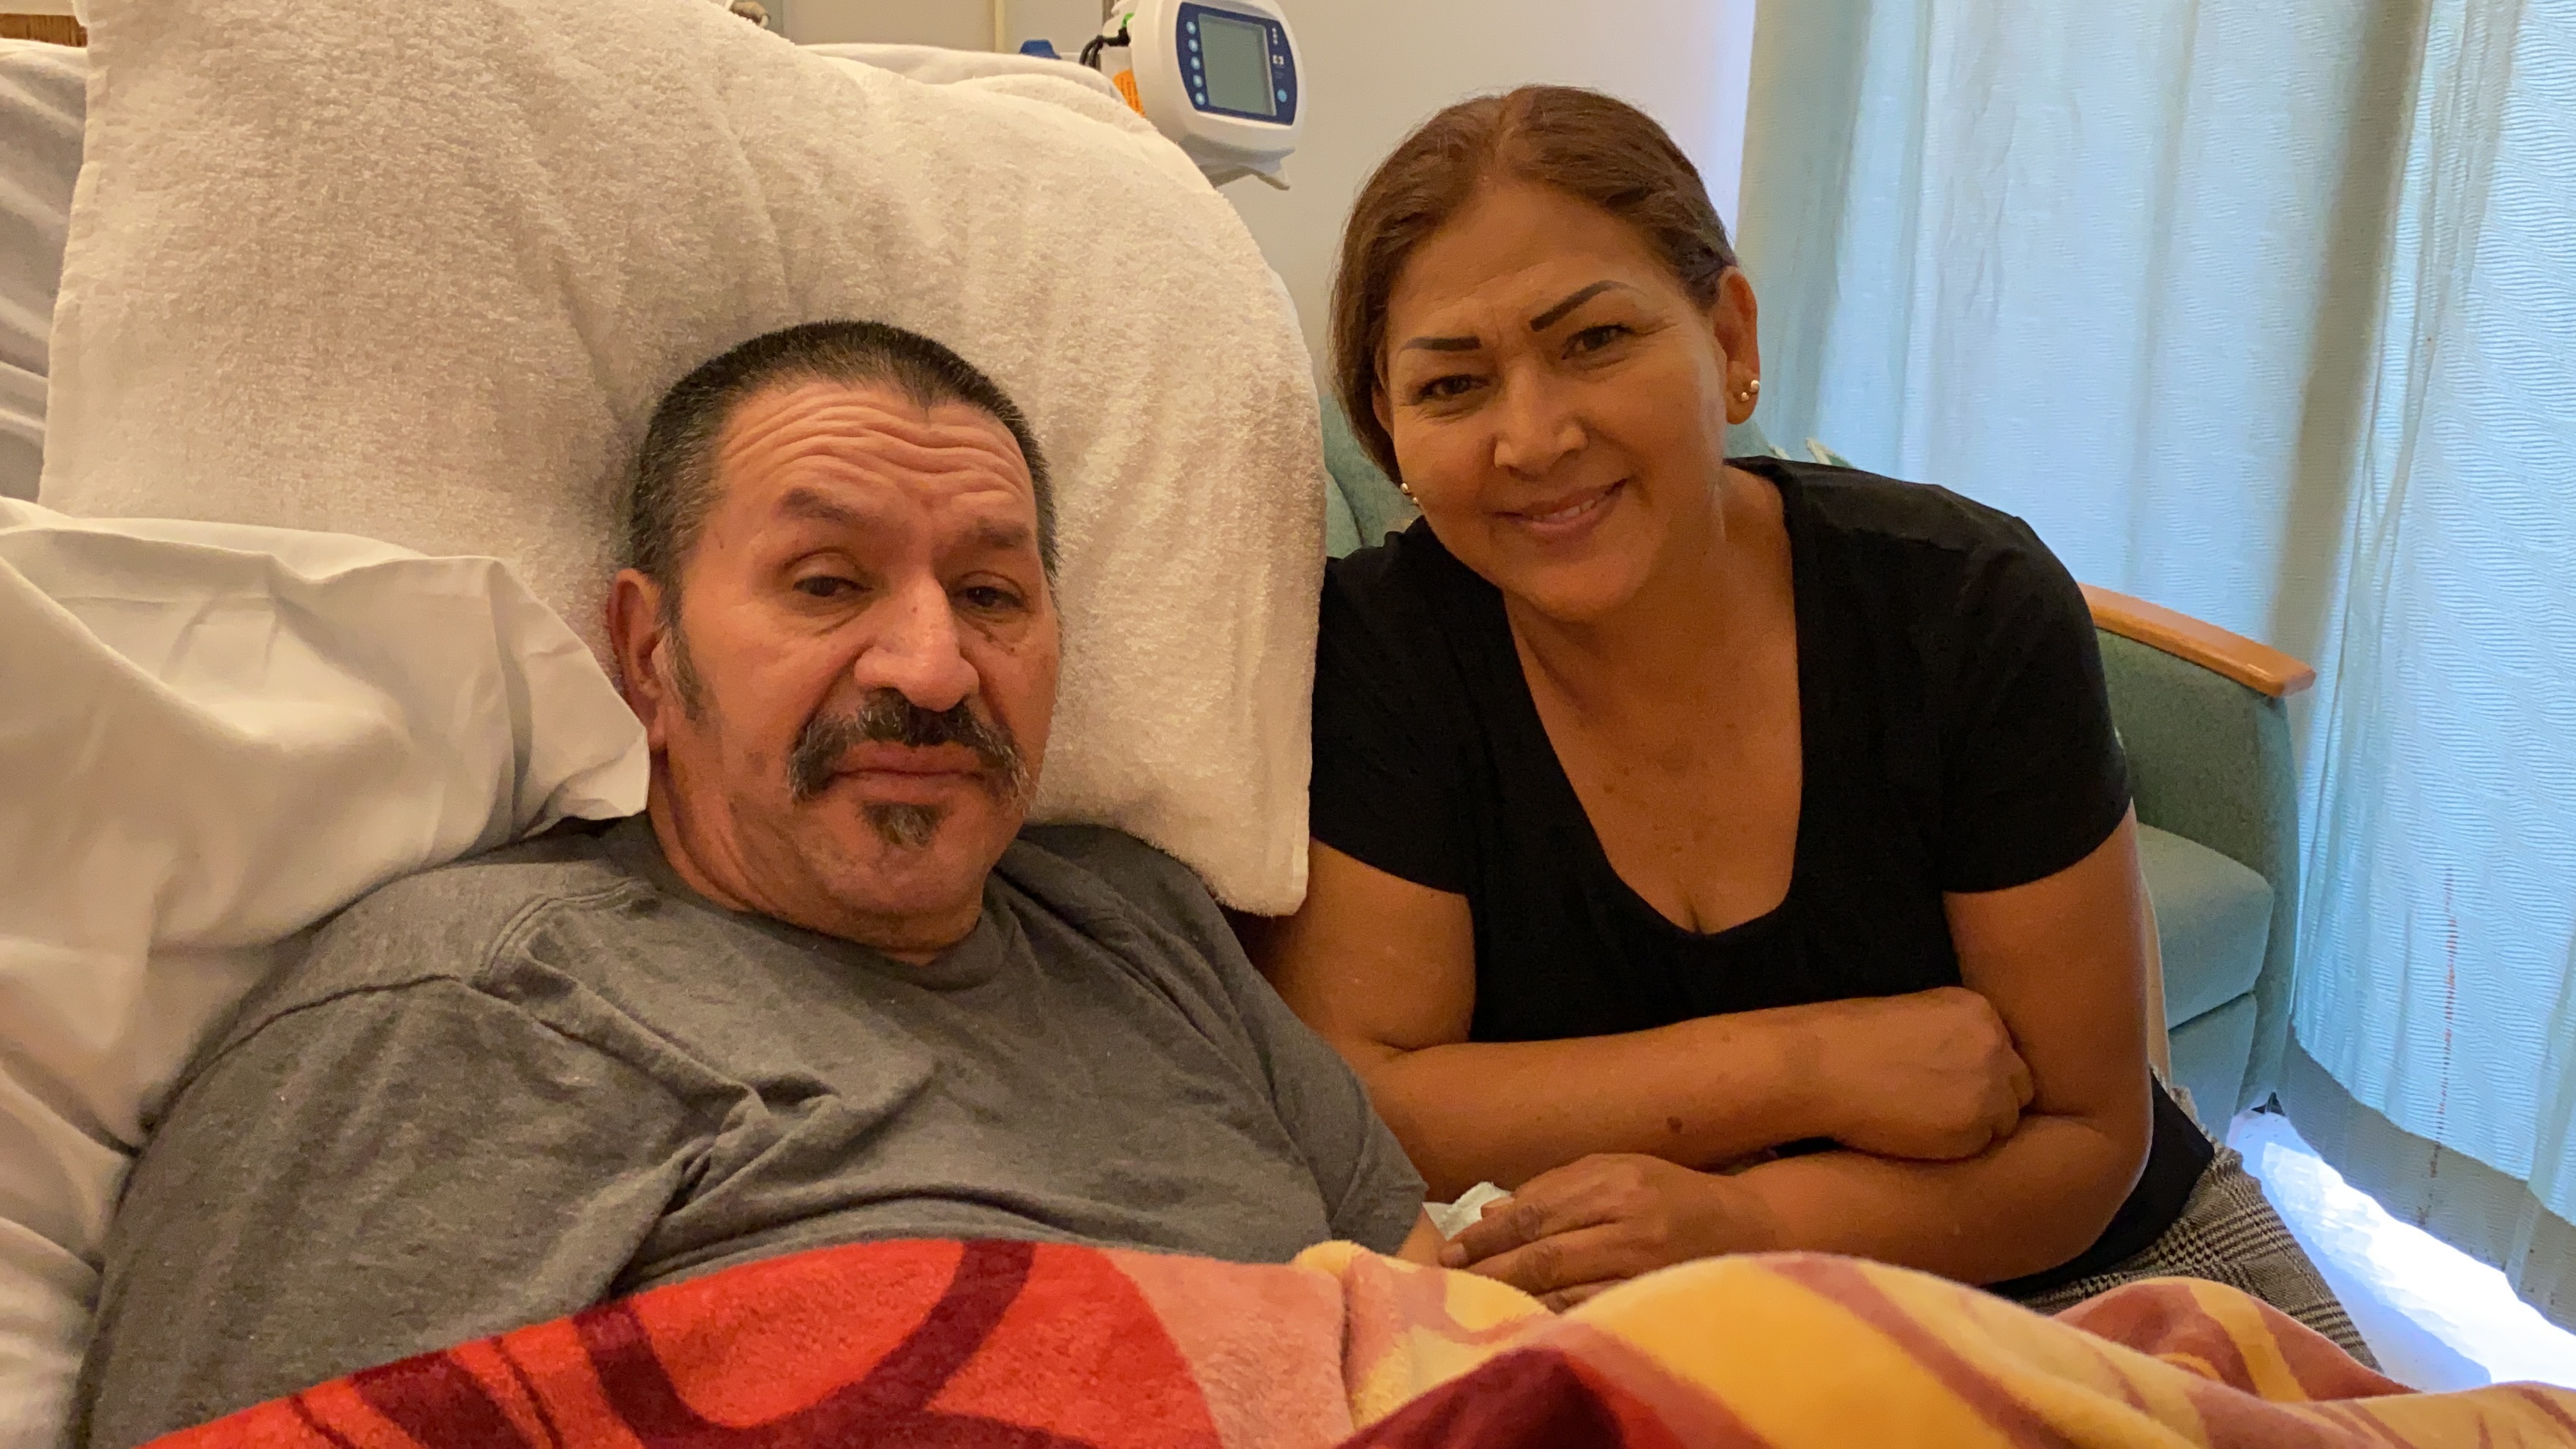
674, 486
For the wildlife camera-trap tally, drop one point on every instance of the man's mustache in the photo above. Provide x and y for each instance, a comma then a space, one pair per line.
885, 717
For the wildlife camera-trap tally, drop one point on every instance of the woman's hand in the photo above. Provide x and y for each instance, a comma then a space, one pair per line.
1597, 1222
1931, 1075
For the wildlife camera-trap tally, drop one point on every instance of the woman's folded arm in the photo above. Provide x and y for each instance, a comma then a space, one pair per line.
1385, 970
2063, 961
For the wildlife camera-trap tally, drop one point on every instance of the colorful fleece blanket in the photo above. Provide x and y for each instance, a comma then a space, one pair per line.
1014, 1344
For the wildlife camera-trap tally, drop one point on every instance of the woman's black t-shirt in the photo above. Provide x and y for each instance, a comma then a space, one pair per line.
1956, 737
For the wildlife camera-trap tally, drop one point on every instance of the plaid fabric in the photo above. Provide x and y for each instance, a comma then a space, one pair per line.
2228, 1233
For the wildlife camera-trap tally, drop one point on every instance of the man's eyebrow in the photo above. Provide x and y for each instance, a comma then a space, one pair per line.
808, 504
1002, 537
1556, 314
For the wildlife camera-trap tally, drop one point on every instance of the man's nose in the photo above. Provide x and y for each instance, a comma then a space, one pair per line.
916, 649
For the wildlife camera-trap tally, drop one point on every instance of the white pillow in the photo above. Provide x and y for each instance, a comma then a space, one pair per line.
237, 732
420, 272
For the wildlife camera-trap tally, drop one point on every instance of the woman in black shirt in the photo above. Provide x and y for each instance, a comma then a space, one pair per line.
1722, 856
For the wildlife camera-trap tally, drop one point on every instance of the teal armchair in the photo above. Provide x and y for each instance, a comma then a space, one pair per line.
2201, 713
2204, 716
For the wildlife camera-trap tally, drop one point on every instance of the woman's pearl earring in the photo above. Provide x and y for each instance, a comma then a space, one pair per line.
1752, 390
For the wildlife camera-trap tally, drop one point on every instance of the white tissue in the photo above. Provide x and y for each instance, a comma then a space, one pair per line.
1453, 1218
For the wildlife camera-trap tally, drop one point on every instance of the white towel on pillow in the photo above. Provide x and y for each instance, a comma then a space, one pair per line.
420, 271
938, 65
43, 94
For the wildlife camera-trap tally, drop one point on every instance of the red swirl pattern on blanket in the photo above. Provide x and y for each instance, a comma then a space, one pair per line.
997, 1344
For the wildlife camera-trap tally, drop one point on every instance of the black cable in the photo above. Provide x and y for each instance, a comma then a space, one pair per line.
1091, 48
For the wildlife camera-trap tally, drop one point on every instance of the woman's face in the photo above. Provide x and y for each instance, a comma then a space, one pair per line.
1559, 404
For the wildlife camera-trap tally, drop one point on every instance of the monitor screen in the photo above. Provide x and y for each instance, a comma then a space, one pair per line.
1238, 64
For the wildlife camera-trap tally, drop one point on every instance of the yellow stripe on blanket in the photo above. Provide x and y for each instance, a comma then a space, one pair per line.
1795, 1366
2256, 1344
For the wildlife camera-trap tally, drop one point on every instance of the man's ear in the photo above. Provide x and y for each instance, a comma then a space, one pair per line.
638, 644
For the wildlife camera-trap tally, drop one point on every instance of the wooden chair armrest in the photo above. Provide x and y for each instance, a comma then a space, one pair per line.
2258, 667
57, 29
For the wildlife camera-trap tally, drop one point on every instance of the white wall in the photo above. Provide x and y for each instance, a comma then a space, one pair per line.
956, 24
1376, 68
1066, 22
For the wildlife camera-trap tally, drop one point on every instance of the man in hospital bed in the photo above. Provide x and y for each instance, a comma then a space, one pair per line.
826, 989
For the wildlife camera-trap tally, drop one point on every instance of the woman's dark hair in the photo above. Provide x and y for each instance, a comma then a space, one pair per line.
1588, 145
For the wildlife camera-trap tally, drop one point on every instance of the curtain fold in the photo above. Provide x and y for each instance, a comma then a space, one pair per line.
2268, 314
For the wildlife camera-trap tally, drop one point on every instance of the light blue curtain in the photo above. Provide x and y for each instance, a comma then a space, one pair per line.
2267, 313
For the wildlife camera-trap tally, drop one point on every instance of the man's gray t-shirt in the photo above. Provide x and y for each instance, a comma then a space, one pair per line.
497, 1093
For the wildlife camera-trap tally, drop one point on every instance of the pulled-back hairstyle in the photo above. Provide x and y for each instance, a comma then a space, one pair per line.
1590, 146
674, 483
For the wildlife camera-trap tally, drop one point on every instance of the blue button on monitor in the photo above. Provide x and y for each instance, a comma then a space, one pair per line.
1283, 96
